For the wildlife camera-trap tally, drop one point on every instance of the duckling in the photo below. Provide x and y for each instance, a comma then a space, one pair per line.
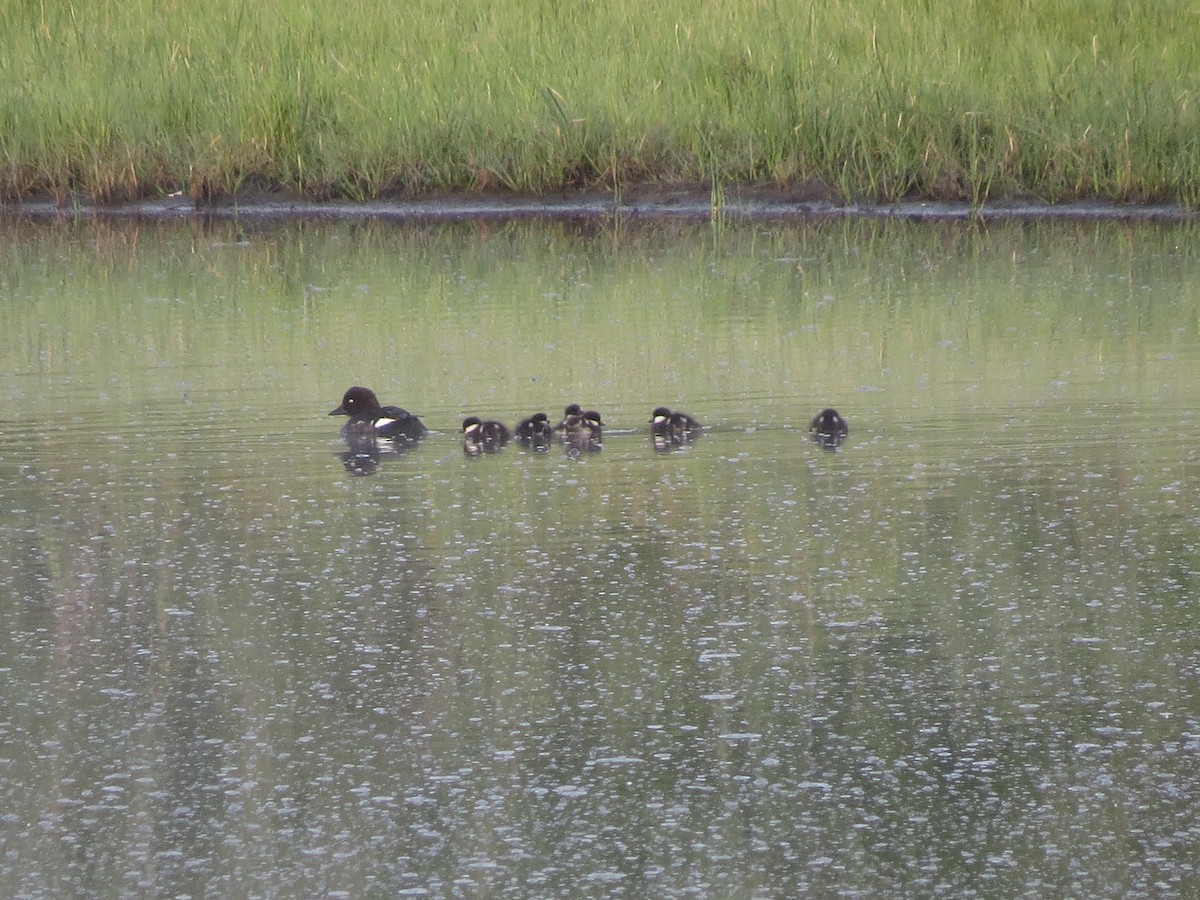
369, 419
483, 437
571, 420
535, 431
591, 421
580, 431
577, 421
667, 427
828, 428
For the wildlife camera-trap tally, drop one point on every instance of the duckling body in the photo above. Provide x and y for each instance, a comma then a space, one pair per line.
580, 430
481, 436
828, 428
572, 419
576, 421
592, 422
535, 431
670, 429
370, 419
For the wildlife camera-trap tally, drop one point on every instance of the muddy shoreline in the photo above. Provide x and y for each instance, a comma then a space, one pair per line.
683, 203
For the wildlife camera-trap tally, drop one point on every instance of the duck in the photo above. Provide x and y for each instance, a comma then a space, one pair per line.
535, 430
672, 427
369, 419
571, 420
828, 428
577, 421
591, 421
481, 436
580, 430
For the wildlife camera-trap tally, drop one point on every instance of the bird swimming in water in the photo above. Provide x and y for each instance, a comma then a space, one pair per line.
828, 428
669, 429
481, 436
580, 430
535, 431
369, 419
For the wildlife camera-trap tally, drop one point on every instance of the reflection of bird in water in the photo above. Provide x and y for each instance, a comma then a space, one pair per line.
365, 452
581, 442
672, 429
828, 428
362, 458
483, 437
535, 432
369, 419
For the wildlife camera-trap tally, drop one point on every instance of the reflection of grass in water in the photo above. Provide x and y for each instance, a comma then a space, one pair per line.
873, 100
739, 325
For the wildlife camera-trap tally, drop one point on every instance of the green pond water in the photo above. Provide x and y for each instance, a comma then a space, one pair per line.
957, 656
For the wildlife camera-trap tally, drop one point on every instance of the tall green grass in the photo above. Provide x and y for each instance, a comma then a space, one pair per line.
868, 99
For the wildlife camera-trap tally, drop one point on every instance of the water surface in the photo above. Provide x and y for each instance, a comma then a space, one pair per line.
957, 656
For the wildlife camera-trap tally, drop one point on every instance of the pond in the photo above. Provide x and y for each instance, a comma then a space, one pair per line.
957, 655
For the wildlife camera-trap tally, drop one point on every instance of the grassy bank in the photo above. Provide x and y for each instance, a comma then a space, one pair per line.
862, 99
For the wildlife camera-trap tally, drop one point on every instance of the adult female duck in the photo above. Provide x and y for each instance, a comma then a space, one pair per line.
369, 419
